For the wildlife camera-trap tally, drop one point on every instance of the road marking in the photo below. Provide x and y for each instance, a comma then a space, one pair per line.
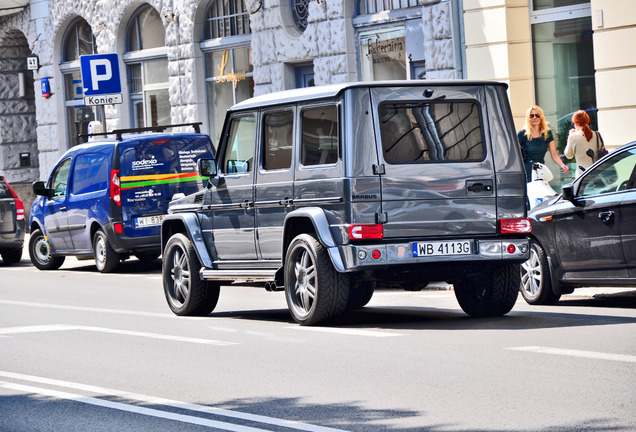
578, 353
64, 327
88, 309
347, 331
156, 401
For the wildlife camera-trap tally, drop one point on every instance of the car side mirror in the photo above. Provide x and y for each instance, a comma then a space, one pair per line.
40, 189
206, 167
568, 192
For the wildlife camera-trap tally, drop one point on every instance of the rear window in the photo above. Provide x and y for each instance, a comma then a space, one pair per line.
431, 132
320, 142
4, 190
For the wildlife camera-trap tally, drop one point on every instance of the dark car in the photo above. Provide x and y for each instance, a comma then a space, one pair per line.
586, 236
11, 224
105, 199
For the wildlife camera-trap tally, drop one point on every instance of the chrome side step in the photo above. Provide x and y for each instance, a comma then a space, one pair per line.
238, 275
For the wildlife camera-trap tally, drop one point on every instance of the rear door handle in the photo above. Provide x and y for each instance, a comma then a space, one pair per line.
606, 216
62, 208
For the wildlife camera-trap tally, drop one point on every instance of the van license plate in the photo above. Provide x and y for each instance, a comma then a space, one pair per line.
442, 248
146, 221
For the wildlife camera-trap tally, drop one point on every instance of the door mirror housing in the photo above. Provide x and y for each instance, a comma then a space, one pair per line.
568, 192
40, 189
206, 167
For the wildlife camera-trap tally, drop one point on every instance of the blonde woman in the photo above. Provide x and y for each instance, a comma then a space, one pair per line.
536, 139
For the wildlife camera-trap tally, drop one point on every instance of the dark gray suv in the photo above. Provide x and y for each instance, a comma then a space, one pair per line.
12, 224
330, 192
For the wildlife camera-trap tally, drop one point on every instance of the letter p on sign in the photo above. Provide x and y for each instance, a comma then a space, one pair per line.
100, 74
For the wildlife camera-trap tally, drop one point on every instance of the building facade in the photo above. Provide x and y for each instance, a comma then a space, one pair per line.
189, 60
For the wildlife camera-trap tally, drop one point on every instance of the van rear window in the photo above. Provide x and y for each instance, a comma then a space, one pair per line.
431, 132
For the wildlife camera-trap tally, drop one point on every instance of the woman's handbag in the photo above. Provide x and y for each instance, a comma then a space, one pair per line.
602, 151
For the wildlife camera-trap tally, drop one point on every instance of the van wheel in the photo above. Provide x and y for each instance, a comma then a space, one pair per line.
536, 285
40, 252
11, 256
106, 259
314, 290
186, 292
147, 257
490, 293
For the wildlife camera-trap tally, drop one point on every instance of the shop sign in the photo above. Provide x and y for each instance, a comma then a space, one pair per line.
233, 77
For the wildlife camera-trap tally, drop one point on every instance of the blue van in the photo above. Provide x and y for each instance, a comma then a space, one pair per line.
106, 199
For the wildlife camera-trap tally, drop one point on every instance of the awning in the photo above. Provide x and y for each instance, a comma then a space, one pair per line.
8, 7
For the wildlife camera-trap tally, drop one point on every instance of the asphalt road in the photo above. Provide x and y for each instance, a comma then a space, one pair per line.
84, 351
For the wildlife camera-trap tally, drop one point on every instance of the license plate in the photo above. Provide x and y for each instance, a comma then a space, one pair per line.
442, 248
146, 221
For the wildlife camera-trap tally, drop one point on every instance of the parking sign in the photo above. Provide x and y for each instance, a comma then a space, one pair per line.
101, 79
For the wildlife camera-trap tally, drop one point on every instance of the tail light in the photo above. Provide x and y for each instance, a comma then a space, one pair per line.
19, 205
366, 232
515, 226
115, 187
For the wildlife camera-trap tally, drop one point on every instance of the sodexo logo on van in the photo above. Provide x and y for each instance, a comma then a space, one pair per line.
145, 163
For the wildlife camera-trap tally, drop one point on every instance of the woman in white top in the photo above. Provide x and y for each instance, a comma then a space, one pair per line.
582, 142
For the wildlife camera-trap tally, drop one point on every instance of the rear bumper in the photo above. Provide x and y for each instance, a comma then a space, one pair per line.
361, 257
124, 244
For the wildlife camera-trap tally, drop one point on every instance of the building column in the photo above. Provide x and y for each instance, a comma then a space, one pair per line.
498, 47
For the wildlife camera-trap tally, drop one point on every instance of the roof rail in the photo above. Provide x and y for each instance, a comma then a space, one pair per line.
119, 132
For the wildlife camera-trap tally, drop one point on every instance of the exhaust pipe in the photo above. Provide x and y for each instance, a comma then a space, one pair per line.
272, 287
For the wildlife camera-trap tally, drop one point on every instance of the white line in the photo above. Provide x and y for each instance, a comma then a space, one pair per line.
578, 353
130, 408
87, 309
171, 403
346, 331
63, 327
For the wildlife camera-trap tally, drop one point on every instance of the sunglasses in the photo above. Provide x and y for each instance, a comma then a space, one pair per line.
534, 115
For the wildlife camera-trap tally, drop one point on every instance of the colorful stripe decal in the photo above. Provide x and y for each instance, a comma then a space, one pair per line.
130, 182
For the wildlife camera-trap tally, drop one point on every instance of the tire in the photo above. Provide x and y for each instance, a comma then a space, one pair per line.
40, 253
187, 294
490, 293
11, 256
314, 290
360, 295
536, 281
147, 257
106, 259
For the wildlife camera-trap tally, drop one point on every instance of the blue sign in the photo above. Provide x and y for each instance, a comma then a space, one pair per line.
100, 74
46, 88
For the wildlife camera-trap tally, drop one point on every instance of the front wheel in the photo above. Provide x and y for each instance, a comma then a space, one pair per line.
314, 290
536, 286
106, 259
185, 291
40, 252
490, 293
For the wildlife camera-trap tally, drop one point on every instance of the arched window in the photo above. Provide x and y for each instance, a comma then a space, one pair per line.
146, 61
228, 59
78, 41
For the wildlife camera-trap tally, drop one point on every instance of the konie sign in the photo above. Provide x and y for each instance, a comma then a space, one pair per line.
101, 80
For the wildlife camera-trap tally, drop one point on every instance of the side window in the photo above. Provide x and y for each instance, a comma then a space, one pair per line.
616, 173
239, 152
416, 132
59, 179
278, 137
90, 173
320, 136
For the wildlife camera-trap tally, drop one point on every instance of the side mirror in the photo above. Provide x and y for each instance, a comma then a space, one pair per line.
206, 167
40, 189
568, 192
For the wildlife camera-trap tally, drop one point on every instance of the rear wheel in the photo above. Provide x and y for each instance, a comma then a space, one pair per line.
186, 292
106, 259
490, 293
11, 256
314, 290
40, 252
536, 285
